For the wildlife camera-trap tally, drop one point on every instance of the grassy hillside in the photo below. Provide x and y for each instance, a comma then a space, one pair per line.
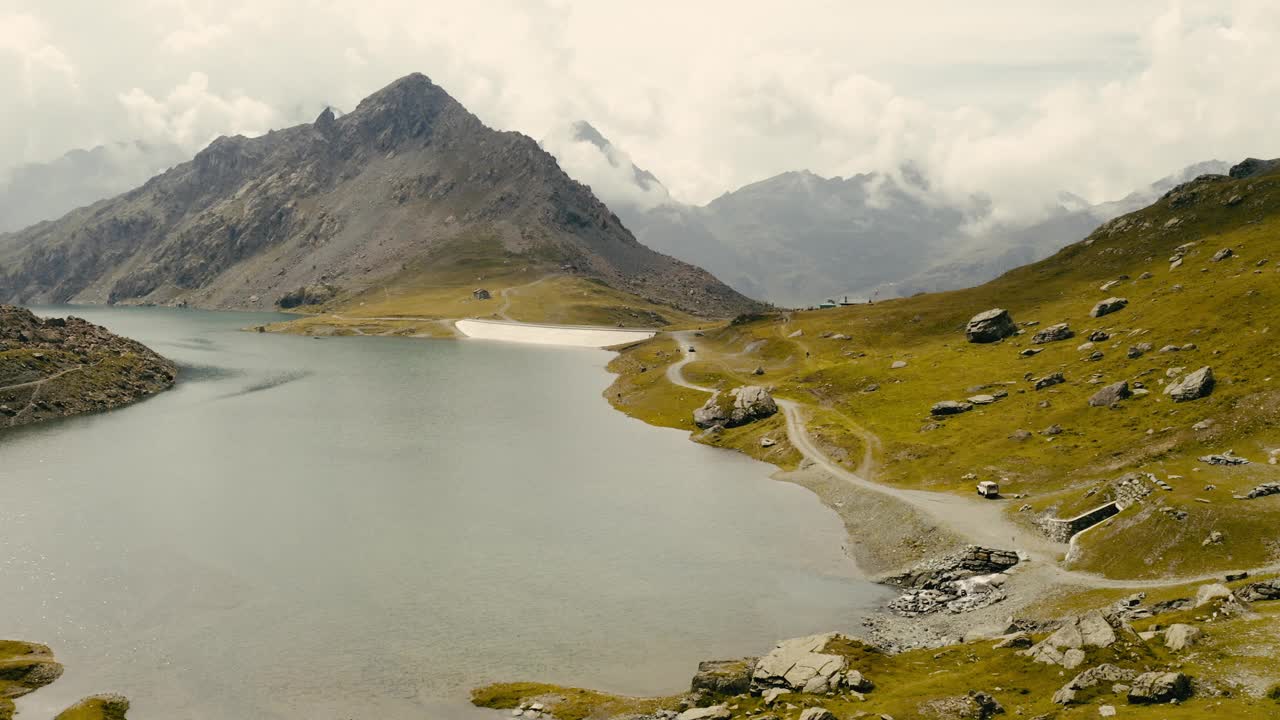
425, 296
1220, 311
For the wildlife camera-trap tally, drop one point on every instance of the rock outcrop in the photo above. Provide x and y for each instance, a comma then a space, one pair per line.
1053, 333
801, 665
739, 406
990, 326
1094, 676
1159, 687
726, 677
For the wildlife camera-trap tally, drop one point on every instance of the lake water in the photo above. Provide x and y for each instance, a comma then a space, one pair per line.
366, 528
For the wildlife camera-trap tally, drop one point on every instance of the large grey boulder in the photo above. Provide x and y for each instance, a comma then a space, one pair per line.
725, 677
1206, 594
715, 712
1180, 636
738, 407
1192, 387
801, 665
1159, 687
990, 326
1053, 333
1108, 306
1111, 394
817, 713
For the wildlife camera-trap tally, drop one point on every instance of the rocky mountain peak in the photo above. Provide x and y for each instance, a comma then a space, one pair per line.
326, 122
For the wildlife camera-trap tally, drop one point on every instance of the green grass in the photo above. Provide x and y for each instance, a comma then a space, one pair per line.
1226, 308
566, 703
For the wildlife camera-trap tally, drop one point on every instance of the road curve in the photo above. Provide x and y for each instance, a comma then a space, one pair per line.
981, 522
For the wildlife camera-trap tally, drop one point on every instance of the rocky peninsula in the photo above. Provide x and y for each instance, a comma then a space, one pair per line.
58, 367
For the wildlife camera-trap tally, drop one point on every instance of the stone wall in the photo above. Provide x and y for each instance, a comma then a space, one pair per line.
1062, 530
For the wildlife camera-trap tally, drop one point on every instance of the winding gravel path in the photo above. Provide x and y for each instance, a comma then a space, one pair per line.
981, 522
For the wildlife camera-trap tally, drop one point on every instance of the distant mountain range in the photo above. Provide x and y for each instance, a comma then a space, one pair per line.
408, 182
43, 191
797, 238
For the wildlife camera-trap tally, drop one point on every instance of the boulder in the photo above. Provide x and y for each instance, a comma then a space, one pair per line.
724, 677
817, 713
715, 712
1223, 254
1099, 336
1111, 394
1050, 380
1159, 687
990, 326
801, 665
1206, 594
1108, 306
950, 407
740, 406
898, 364
856, 681
1192, 387
1053, 333
1180, 636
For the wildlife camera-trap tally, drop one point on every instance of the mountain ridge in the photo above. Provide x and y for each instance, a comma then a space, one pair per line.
354, 201
797, 237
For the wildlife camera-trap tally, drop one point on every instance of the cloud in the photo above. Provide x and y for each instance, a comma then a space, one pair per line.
1016, 100
191, 115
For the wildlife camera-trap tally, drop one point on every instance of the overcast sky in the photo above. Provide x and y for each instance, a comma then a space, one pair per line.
1017, 98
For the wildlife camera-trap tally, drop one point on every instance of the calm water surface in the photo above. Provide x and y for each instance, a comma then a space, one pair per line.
366, 528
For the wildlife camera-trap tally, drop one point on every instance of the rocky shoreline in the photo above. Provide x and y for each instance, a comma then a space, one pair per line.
59, 367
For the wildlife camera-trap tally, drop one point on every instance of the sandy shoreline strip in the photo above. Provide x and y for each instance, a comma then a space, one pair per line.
563, 335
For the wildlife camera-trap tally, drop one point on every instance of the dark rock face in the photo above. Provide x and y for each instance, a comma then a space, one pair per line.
725, 677
1111, 394
1108, 306
409, 179
317, 294
1053, 333
990, 326
57, 367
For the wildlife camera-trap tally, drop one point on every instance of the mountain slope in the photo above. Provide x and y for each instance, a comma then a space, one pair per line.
408, 184
1198, 272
